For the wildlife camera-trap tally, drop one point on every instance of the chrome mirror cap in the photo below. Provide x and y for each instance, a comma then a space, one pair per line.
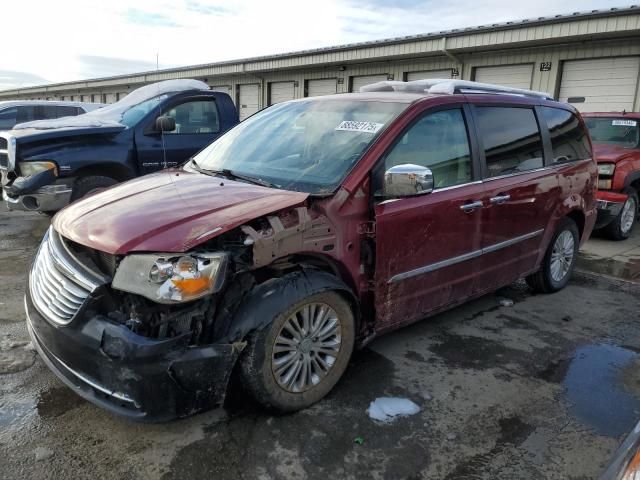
407, 180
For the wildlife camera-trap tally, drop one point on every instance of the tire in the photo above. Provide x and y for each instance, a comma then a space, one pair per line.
259, 372
622, 226
553, 276
85, 185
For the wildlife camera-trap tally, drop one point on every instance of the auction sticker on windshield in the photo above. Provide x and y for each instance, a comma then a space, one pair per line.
353, 126
624, 123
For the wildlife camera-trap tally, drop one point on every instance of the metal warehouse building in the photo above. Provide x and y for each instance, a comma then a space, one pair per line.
591, 60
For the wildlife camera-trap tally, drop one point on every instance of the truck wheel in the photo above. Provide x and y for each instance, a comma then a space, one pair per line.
620, 228
559, 260
86, 185
297, 359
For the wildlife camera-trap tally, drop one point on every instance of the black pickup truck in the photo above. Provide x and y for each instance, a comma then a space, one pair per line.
47, 164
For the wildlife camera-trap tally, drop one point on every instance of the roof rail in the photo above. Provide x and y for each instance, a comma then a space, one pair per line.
448, 86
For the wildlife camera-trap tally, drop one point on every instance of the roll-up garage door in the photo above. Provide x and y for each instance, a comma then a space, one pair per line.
248, 99
515, 76
317, 88
357, 82
428, 74
111, 98
601, 85
281, 92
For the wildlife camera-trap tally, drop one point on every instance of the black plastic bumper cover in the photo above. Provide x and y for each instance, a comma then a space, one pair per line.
134, 376
607, 213
25, 185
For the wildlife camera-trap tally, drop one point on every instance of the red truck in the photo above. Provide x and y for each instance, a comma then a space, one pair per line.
616, 144
302, 233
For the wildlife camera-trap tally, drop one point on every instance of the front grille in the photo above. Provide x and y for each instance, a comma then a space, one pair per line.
4, 160
3, 143
58, 283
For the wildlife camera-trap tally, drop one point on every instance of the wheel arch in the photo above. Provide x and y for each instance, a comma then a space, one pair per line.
579, 218
633, 180
265, 300
114, 170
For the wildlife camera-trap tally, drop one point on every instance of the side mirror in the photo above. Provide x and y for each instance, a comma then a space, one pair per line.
165, 124
407, 180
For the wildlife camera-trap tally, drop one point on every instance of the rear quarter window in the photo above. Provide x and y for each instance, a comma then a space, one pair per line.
511, 139
569, 141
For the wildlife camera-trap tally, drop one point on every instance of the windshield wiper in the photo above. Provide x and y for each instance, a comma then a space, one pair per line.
231, 175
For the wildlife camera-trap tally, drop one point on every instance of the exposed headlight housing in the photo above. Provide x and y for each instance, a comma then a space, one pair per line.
606, 168
170, 278
27, 169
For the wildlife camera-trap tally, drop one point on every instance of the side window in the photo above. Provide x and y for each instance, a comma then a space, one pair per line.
200, 116
26, 114
8, 118
439, 141
64, 111
568, 140
511, 138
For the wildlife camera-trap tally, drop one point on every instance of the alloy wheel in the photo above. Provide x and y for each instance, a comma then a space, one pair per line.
628, 215
306, 347
562, 255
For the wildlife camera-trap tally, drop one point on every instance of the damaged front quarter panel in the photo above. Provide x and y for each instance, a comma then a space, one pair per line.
291, 233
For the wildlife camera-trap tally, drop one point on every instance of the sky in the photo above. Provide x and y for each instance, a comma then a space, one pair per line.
64, 40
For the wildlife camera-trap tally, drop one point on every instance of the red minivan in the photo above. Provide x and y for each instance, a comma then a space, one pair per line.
302, 233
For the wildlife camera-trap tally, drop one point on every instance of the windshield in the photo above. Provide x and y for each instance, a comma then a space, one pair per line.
614, 131
134, 114
307, 146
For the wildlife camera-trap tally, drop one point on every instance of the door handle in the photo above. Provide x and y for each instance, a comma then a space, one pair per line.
471, 206
499, 199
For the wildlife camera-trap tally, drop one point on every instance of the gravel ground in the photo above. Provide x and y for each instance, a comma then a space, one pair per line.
544, 388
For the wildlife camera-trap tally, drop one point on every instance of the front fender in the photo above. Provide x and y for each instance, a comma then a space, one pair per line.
627, 171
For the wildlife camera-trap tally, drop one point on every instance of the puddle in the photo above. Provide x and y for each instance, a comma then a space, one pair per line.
629, 270
11, 412
596, 391
53, 403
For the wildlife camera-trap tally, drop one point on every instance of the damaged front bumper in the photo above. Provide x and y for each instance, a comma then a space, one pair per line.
140, 378
49, 198
609, 206
38, 193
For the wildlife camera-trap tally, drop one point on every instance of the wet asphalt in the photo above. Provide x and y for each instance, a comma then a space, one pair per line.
545, 388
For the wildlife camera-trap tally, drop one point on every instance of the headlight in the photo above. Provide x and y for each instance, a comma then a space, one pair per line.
171, 278
606, 168
28, 169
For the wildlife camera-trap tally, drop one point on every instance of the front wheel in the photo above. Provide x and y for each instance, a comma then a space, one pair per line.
298, 358
620, 228
559, 260
90, 184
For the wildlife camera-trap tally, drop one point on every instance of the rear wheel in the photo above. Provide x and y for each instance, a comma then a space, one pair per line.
299, 357
620, 228
559, 260
90, 184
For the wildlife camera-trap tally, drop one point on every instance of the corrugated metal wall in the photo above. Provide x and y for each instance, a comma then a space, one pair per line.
545, 47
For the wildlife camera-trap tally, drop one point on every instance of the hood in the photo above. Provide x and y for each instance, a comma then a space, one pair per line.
611, 153
170, 211
31, 134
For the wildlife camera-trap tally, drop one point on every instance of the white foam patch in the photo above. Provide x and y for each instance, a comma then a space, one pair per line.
386, 409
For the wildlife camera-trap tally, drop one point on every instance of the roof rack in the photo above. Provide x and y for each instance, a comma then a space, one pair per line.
448, 86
